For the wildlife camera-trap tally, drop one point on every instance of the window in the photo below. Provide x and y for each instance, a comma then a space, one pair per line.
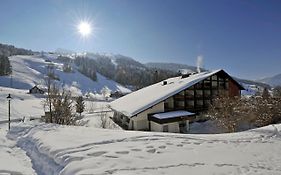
199, 103
207, 84
190, 103
226, 84
165, 128
199, 85
214, 84
180, 103
199, 93
214, 77
207, 102
189, 93
169, 103
221, 85
207, 93
215, 92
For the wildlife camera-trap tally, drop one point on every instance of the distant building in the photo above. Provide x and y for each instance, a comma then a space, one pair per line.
36, 90
170, 105
117, 94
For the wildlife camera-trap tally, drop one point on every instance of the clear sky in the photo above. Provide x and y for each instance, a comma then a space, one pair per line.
241, 36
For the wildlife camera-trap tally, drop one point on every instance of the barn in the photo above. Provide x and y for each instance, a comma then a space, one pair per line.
36, 90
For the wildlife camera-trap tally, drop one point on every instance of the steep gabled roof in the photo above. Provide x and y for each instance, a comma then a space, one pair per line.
149, 96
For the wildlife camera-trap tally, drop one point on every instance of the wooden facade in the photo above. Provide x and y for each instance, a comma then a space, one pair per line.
198, 97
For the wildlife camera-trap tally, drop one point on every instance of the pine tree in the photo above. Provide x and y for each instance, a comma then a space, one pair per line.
80, 106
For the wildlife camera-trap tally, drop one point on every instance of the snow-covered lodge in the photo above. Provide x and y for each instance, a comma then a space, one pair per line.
168, 106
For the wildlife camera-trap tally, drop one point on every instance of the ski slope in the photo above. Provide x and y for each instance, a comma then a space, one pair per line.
31, 70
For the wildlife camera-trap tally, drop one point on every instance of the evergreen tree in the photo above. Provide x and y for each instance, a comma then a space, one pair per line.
265, 93
80, 105
5, 66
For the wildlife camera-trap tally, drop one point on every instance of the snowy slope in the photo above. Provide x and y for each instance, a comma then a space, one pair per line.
273, 81
64, 150
30, 70
22, 104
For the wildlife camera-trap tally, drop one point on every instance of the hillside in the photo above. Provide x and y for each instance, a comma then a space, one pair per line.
172, 66
273, 81
122, 69
31, 70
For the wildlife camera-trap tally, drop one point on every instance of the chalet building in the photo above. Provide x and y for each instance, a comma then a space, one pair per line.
170, 105
36, 90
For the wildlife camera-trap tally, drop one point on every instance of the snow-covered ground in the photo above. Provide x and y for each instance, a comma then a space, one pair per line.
30, 70
63, 150
37, 148
13, 160
22, 104
27, 106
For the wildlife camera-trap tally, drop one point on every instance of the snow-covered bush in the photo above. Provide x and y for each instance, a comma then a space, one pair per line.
235, 114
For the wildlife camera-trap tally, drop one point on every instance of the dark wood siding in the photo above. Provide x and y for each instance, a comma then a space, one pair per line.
233, 89
198, 97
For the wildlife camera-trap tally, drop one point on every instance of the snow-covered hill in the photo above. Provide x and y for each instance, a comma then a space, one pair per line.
273, 81
31, 70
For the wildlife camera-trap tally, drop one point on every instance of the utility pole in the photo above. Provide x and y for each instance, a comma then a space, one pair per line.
9, 101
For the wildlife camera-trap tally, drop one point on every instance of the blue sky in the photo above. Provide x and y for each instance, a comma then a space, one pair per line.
242, 37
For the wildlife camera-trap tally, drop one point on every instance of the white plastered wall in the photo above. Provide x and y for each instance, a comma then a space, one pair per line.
172, 127
140, 121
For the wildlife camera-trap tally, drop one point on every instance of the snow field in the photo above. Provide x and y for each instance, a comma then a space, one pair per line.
81, 150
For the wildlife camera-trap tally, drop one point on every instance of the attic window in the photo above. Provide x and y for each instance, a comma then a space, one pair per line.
164, 83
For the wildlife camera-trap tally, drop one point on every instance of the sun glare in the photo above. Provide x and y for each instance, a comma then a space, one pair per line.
84, 28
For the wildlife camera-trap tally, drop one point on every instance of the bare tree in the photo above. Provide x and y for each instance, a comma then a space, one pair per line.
233, 113
92, 106
103, 119
61, 107
228, 112
265, 93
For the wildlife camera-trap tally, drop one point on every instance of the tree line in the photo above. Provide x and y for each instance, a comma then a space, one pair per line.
5, 52
125, 71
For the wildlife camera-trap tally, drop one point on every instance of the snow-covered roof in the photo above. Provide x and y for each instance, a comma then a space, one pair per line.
149, 96
172, 114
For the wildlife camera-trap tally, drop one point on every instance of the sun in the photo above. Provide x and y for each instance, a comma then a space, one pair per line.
84, 28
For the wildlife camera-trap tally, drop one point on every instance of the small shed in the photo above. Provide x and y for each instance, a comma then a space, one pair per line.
36, 90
